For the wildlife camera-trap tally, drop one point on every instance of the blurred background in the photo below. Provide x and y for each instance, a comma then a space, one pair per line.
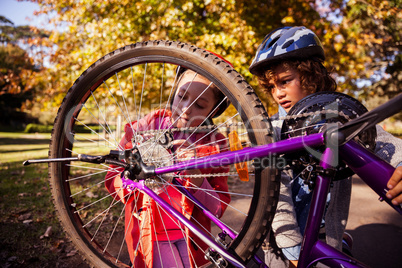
45, 45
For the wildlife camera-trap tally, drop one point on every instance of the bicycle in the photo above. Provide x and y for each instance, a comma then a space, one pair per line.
119, 86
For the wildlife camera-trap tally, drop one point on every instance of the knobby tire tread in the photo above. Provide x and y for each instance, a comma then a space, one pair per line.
258, 225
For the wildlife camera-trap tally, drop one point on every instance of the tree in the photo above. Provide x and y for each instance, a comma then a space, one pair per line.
373, 33
227, 27
231, 28
16, 69
368, 38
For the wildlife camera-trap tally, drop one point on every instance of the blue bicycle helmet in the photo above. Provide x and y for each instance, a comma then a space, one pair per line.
287, 43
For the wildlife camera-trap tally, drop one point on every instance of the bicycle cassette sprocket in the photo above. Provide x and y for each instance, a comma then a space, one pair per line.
153, 153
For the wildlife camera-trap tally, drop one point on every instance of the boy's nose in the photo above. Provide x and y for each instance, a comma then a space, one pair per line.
280, 93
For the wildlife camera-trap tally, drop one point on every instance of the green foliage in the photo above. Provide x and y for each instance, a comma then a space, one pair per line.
230, 28
360, 44
15, 59
371, 33
35, 128
17, 69
10, 34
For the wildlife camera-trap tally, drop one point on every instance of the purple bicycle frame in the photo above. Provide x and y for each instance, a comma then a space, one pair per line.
226, 158
373, 170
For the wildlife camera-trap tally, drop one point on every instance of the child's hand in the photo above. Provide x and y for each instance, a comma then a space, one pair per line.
395, 186
183, 153
183, 150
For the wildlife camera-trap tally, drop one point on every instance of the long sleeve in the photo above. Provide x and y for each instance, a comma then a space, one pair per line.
285, 226
388, 147
209, 198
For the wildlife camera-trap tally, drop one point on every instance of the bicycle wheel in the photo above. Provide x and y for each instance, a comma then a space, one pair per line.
122, 87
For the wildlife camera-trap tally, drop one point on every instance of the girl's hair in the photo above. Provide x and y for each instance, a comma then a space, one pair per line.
314, 77
217, 93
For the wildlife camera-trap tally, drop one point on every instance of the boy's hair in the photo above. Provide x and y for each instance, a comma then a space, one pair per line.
314, 77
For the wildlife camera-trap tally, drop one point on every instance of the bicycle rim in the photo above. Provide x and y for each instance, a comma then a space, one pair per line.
123, 87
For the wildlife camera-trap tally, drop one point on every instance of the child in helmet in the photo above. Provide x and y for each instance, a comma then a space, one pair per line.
154, 238
288, 64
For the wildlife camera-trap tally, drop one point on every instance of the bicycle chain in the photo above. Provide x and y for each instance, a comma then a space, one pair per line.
212, 127
203, 175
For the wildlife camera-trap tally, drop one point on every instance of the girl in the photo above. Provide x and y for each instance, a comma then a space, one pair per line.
288, 64
153, 237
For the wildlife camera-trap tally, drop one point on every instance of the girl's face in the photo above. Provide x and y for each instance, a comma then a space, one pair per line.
285, 87
191, 103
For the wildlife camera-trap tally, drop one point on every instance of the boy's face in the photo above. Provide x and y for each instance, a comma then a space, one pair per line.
192, 103
285, 87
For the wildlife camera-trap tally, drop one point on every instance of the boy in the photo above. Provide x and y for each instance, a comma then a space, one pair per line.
288, 64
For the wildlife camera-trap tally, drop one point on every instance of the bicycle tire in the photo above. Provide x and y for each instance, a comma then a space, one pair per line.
70, 183
320, 101
338, 108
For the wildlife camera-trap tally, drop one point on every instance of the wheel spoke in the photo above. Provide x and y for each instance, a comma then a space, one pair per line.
119, 92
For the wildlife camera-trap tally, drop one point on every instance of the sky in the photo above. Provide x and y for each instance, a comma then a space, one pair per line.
21, 13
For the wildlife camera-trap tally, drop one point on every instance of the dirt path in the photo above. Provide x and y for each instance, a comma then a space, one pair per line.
376, 229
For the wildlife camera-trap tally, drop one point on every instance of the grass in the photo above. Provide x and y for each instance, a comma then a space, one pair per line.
26, 211
18, 147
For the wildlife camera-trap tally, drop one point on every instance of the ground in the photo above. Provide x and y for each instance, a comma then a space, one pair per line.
376, 228
26, 213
